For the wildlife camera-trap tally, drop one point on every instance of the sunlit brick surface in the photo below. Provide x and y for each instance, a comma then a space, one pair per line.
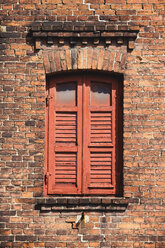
22, 124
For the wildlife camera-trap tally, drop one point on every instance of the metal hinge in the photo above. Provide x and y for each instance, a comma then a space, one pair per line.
47, 99
46, 178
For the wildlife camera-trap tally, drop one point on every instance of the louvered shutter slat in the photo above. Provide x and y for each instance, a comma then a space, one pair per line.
100, 169
66, 120
101, 127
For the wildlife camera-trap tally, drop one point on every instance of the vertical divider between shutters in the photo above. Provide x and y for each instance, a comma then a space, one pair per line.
79, 135
83, 128
86, 135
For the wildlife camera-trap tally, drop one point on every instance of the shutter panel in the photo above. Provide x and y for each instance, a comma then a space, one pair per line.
65, 116
99, 136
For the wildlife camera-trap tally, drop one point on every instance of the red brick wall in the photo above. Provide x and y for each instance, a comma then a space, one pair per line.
22, 110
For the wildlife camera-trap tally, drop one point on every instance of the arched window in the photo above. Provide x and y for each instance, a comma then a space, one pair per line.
83, 135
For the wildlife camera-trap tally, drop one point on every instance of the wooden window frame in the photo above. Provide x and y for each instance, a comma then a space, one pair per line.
84, 79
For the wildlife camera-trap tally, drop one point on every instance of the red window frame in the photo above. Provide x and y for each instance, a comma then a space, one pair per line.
84, 150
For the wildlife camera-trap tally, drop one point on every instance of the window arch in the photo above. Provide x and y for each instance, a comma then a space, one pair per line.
83, 126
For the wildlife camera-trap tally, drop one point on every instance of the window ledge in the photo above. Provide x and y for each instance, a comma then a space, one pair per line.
58, 204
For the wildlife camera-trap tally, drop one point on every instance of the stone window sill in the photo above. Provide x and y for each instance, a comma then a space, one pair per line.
56, 204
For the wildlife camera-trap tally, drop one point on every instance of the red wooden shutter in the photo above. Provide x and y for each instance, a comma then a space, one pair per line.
82, 134
99, 136
65, 136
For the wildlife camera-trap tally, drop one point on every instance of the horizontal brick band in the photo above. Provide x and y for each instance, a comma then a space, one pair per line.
82, 203
82, 26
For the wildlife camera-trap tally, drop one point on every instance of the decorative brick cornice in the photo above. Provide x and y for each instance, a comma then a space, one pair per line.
94, 33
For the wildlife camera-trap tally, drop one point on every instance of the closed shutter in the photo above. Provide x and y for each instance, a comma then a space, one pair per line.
65, 136
99, 136
82, 135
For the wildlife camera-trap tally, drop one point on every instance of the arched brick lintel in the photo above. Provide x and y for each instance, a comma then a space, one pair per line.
112, 59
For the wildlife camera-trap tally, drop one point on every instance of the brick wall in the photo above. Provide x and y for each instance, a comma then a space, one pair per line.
23, 222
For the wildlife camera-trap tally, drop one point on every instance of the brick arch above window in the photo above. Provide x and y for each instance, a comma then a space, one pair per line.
111, 59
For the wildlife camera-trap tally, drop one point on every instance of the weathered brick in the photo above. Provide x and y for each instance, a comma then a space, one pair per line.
22, 112
68, 59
